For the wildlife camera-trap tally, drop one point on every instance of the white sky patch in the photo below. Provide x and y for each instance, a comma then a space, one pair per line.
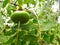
58, 19
25, 6
9, 24
7, 19
31, 5
55, 7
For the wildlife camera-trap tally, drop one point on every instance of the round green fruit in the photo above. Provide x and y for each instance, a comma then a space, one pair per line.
20, 16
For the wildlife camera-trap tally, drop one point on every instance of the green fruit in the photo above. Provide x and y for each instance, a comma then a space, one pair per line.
20, 16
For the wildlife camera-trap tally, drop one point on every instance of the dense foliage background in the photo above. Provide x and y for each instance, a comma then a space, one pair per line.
43, 28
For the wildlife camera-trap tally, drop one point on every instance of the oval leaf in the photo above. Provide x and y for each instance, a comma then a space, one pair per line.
5, 3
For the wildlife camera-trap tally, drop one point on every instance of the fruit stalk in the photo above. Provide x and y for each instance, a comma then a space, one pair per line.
19, 29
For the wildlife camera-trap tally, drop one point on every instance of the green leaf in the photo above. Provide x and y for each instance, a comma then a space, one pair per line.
46, 26
10, 40
27, 26
41, 0
34, 43
15, 27
26, 1
1, 20
9, 10
20, 2
46, 37
13, 7
12, 43
31, 25
51, 38
9, 33
33, 32
5, 3
19, 42
35, 21
42, 12
23, 43
29, 1
1, 4
33, 2
21, 34
3, 38
30, 38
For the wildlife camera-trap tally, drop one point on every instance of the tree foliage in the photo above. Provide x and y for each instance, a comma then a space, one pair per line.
41, 29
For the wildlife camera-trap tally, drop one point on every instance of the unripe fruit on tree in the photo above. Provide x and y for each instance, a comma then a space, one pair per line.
20, 16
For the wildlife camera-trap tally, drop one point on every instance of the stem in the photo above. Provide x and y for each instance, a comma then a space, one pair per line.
18, 25
39, 33
17, 32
